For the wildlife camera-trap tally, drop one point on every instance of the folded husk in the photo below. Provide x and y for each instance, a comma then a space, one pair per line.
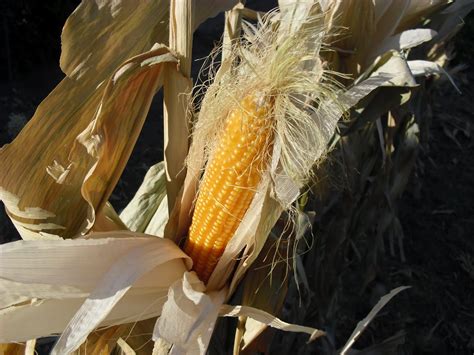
115, 261
74, 151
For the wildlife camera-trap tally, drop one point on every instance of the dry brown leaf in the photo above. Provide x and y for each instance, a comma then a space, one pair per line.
101, 342
12, 349
353, 24
74, 151
100, 35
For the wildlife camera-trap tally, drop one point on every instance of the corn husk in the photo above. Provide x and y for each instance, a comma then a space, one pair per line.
39, 288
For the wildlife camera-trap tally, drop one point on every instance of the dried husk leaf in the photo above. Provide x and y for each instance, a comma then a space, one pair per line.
405, 40
189, 315
418, 10
377, 28
27, 348
95, 281
176, 131
269, 320
136, 340
108, 220
356, 20
101, 342
232, 29
365, 322
74, 151
160, 218
387, 86
68, 110
265, 287
99, 36
178, 86
139, 212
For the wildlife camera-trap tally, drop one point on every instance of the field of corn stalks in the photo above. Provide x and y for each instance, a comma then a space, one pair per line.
274, 206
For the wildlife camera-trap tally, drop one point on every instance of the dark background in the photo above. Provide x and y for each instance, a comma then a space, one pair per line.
437, 210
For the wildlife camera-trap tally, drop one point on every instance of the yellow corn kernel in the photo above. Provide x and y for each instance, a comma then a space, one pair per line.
229, 182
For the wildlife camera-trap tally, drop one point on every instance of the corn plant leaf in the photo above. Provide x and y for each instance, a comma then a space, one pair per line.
115, 284
176, 99
378, 103
365, 322
45, 269
389, 20
108, 220
418, 10
293, 14
22, 321
390, 345
158, 221
449, 21
75, 148
357, 20
377, 27
365, 87
27, 348
12, 349
101, 342
131, 100
141, 209
405, 40
427, 68
176, 131
386, 86
265, 287
99, 36
268, 319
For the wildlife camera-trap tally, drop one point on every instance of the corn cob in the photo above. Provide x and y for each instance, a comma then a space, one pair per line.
230, 181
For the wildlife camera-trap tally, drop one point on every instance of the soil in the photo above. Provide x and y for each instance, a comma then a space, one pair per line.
438, 220
437, 211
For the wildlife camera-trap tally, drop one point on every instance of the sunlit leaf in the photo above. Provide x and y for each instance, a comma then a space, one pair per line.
74, 151
144, 205
85, 275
